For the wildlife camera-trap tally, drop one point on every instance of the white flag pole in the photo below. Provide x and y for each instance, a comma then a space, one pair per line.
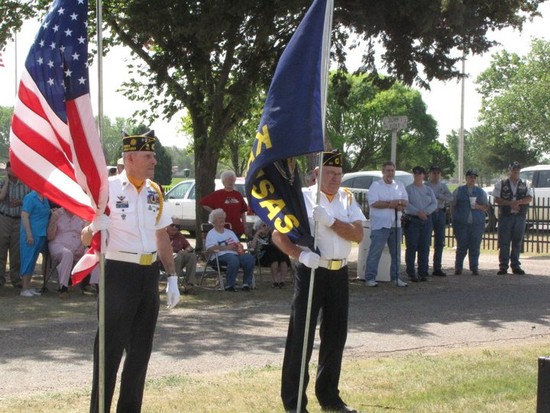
101, 328
325, 65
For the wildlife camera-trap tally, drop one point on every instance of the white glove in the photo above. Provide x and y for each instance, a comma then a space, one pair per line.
172, 291
309, 259
99, 223
321, 215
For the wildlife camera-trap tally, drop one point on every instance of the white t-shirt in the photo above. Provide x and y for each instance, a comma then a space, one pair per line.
214, 238
381, 191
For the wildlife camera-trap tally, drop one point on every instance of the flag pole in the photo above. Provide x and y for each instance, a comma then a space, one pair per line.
101, 298
15, 61
325, 64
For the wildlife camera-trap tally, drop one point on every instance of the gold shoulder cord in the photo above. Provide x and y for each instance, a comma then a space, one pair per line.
350, 195
161, 200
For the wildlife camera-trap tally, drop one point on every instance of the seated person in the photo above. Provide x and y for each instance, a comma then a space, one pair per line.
229, 251
65, 245
270, 255
183, 256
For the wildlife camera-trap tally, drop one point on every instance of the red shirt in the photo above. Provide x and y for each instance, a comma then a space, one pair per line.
232, 202
179, 242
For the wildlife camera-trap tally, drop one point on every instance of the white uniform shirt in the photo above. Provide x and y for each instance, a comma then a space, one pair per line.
134, 217
344, 208
381, 191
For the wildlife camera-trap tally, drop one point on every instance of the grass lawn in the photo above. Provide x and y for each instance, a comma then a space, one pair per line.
467, 380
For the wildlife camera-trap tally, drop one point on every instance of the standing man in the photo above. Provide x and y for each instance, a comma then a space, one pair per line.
418, 234
231, 201
387, 199
137, 236
439, 216
513, 197
12, 192
468, 208
339, 223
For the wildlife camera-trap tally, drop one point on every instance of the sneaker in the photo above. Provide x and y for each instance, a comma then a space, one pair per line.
245, 287
281, 284
439, 273
413, 278
458, 271
502, 271
231, 289
401, 283
34, 291
518, 271
26, 293
423, 278
475, 272
371, 284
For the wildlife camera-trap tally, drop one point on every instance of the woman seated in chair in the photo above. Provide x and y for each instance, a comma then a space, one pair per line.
270, 256
227, 247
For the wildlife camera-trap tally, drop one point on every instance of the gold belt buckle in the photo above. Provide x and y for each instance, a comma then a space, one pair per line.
146, 259
334, 265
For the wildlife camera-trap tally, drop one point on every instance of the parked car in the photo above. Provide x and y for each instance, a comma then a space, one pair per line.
361, 181
538, 177
180, 202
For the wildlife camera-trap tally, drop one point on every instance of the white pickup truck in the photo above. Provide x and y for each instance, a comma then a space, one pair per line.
180, 202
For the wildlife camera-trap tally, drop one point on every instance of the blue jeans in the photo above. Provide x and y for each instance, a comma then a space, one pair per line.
468, 242
438, 224
418, 237
234, 262
511, 229
378, 239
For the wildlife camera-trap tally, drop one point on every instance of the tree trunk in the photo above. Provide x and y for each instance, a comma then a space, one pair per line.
206, 163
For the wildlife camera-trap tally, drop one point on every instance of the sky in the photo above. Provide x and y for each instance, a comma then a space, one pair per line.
443, 99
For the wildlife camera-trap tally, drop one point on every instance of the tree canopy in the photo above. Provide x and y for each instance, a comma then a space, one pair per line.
355, 111
514, 113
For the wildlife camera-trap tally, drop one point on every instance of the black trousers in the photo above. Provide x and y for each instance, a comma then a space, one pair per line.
330, 301
131, 311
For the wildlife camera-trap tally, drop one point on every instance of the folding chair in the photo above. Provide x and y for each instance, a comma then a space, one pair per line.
211, 259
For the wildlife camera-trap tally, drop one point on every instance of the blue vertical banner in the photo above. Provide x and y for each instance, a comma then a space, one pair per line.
292, 124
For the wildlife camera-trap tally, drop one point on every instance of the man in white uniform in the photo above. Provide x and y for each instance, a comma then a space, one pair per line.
137, 236
339, 223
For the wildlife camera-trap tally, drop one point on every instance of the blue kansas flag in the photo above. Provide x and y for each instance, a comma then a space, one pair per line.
292, 124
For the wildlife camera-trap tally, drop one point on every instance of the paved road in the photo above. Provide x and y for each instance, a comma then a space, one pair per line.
219, 335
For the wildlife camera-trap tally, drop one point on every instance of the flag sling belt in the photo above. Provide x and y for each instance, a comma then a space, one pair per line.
332, 265
132, 257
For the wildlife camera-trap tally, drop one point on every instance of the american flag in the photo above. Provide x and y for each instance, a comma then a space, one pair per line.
54, 143
1, 60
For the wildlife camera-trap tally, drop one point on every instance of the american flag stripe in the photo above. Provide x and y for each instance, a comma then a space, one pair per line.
1, 60
43, 145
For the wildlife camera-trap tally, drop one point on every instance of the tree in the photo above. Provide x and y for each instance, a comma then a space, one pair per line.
213, 56
514, 113
5, 122
356, 106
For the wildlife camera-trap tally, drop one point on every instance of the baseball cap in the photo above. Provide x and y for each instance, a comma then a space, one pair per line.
514, 165
471, 172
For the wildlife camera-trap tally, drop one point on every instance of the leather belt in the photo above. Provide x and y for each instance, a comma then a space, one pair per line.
332, 265
132, 257
9, 216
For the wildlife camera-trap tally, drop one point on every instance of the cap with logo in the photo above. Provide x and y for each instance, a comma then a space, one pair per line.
333, 158
136, 143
